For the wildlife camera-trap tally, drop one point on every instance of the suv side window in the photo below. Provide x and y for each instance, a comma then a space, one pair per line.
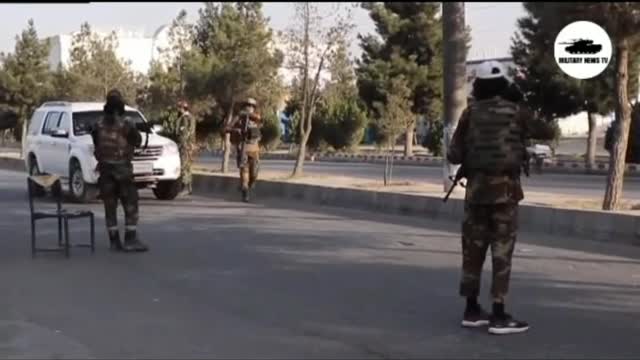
51, 122
36, 123
64, 122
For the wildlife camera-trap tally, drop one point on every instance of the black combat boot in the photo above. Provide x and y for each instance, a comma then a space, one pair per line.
474, 315
132, 243
502, 323
114, 241
245, 195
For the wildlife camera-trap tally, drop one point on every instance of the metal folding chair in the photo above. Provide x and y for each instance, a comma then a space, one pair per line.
52, 183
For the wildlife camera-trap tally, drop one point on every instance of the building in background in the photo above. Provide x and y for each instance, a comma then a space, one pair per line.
133, 47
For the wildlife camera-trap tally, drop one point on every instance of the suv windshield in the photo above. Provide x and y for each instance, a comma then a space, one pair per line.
83, 121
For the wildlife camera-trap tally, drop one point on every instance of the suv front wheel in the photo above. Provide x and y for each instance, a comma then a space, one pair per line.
80, 191
167, 190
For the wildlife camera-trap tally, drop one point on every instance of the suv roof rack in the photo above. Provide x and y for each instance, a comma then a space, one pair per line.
56, 103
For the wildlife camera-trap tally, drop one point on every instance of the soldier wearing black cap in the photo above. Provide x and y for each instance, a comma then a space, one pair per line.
115, 140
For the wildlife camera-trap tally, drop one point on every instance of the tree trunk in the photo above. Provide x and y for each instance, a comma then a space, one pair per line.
455, 94
305, 130
23, 135
393, 152
386, 169
617, 161
302, 152
408, 141
590, 158
227, 145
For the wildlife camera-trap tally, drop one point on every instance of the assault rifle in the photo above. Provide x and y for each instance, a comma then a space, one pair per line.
245, 129
456, 180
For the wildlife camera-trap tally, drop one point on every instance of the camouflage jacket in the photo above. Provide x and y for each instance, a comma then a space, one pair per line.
486, 189
115, 141
252, 136
186, 129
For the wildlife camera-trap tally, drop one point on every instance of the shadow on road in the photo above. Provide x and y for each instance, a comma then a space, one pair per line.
274, 280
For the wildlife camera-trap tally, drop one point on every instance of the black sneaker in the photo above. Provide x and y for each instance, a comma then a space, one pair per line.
506, 324
475, 318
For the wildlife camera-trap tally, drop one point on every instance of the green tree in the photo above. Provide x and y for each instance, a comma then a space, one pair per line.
168, 77
95, 68
620, 20
344, 125
394, 112
25, 76
235, 38
549, 91
409, 44
312, 37
270, 131
342, 84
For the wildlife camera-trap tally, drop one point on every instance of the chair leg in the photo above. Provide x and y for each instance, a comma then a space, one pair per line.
66, 237
33, 238
59, 231
93, 234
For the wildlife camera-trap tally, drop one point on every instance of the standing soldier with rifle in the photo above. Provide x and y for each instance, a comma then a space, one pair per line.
115, 140
489, 143
245, 135
186, 143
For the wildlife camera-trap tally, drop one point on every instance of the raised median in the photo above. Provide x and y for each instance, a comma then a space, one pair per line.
561, 165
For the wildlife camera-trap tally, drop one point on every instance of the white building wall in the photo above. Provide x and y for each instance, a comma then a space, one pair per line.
132, 47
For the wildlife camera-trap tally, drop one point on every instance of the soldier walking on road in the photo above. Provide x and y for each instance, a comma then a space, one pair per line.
245, 135
115, 139
187, 144
489, 143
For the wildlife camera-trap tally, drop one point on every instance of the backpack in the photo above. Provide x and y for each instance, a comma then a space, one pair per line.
494, 138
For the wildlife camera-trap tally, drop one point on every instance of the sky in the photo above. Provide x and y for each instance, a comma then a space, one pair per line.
492, 24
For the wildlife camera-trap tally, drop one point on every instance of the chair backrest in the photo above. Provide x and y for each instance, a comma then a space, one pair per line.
46, 182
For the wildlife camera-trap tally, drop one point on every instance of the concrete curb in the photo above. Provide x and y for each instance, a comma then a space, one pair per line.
594, 225
553, 167
585, 224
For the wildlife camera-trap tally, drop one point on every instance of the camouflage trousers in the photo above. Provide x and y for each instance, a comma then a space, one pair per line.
116, 183
487, 226
186, 162
248, 163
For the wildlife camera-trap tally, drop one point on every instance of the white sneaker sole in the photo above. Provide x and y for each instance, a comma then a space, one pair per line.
474, 324
507, 331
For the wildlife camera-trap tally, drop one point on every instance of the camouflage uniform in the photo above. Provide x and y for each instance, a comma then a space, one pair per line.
115, 139
248, 161
186, 146
491, 203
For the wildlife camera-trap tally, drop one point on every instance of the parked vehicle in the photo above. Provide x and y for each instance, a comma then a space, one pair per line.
58, 142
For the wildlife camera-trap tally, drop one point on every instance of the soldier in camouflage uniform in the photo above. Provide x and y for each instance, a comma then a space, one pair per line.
247, 145
186, 143
115, 139
489, 143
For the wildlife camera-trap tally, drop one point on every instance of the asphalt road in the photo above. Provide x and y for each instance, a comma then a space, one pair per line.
230, 280
588, 186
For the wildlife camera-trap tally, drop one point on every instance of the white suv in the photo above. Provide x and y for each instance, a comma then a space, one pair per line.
58, 142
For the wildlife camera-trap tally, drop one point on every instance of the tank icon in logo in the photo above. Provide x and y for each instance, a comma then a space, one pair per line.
582, 46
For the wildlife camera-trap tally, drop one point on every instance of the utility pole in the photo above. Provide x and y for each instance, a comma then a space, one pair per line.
455, 74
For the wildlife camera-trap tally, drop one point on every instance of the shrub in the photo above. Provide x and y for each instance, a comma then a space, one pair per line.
270, 131
344, 125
